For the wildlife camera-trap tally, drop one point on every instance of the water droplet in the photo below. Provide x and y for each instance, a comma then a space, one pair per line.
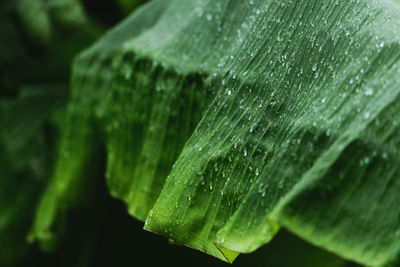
215, 166
367, 115
369, 92
365, 161
261, 189
245, 152
314, 68
256, 172
323, 100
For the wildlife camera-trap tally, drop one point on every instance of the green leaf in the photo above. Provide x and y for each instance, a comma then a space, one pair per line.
293, 108
259, 115
26, 137
67, 12
36, 20
79, 141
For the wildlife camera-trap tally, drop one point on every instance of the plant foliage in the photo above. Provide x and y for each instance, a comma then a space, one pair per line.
224, 121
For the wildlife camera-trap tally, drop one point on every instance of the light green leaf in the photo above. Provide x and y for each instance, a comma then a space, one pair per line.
293, 108
272, 113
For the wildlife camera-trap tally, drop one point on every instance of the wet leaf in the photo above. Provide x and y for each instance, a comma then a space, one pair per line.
230, 119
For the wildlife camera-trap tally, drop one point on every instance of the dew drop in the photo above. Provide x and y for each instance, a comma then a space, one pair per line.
369, 92
314, 68
215, 166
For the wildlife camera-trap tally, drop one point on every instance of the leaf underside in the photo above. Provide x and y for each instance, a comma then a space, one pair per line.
225, 120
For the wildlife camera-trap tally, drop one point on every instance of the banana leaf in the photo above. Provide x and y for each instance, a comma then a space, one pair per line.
28, 125
226, 120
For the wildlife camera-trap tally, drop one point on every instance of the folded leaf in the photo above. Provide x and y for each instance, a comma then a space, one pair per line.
272, 113
305, 86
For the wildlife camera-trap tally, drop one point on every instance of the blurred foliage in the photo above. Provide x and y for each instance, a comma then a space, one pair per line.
129, 5
38, 40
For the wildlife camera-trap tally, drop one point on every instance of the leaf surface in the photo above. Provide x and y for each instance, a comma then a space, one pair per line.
259, 114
